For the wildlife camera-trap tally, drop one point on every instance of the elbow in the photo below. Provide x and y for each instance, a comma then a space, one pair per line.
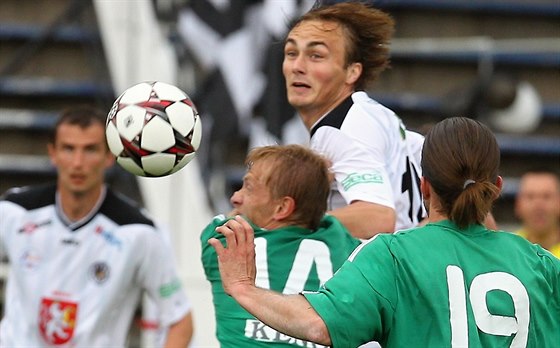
318, 332
388, 220
365, 219
388, 225
181, 332
378, 222
365, 233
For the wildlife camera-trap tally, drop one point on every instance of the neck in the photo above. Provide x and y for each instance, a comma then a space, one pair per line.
77, 205
276, 224
273, 225
433, 205
310, 116
436, 217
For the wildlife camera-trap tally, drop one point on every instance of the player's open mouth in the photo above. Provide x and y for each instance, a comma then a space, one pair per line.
300, 85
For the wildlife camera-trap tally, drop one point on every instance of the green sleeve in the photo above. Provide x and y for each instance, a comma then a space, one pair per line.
210, 230
208, 257
357, 304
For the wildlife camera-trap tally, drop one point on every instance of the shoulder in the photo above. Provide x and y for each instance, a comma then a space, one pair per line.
123, 211
331, 223
376, 246
210, 230
415, 139
519, 240
31, 197
394, 243
375, 112
354, 110
335, 117
336, 234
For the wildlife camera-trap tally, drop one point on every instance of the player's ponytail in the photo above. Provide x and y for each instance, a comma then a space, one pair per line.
473, 203
460, 160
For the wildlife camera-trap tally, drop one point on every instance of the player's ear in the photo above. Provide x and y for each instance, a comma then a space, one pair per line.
285, 207
425, 188
499, 184
109, 159
51, 153
353, 73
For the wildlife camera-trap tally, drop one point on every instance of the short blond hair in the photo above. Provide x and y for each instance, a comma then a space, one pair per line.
297, 172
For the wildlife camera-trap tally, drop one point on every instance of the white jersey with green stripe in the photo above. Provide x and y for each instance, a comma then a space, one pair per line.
374, 158
78, 284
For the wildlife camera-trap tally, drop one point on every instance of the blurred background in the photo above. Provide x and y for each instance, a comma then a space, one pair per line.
494, 60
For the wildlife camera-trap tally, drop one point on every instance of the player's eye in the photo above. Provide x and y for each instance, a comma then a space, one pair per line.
290, 54
67, 148
90, 149
315, 56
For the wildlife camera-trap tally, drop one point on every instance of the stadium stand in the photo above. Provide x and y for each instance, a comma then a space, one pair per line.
442, 48
51, 55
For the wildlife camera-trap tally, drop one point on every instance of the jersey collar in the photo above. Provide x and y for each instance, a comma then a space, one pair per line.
335, 117
472, 229
74, 225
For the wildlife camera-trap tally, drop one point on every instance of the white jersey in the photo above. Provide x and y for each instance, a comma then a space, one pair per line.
78, 284
374, 158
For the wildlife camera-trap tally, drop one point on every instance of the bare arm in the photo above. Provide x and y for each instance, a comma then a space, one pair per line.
290, 314
364, 219
180, 333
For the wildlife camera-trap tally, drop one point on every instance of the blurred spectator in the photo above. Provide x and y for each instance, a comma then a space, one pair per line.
81, 255
538, 207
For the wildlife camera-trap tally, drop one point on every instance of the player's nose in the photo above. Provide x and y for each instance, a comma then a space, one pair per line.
236, 198
77, 158
299, 64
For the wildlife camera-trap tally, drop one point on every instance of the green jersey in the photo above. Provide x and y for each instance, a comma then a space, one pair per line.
289, 260
441, 286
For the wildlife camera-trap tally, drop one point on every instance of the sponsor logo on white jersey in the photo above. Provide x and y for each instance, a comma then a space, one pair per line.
30, 259
362, 178
99, 271
57, 320
109, 237
30, 227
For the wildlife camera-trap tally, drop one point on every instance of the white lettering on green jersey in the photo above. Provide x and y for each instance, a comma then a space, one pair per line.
487, 322
309, 252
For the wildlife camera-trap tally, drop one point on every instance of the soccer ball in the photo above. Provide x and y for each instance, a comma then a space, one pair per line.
153, 129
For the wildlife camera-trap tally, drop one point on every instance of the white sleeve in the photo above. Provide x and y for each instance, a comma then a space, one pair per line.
158, 275
10, 213
3, 228
415, 143
360, 174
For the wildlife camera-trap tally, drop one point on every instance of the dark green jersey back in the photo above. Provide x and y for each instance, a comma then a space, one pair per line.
289, 260
439, 286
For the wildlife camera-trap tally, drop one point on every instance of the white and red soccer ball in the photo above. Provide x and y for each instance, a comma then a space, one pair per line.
153, 129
